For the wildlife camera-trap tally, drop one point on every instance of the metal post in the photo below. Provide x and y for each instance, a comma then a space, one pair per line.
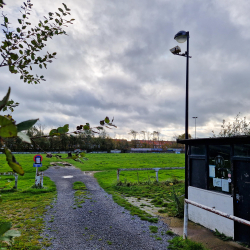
16, 179
195, 125
195, 129
156, 173
118, 173
186, 119
185, 226
41, 181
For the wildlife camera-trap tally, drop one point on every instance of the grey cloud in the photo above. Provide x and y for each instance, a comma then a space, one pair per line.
116, 61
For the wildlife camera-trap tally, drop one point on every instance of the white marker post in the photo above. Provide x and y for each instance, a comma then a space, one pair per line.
38, 163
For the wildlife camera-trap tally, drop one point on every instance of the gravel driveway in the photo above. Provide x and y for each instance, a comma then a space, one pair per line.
100, 223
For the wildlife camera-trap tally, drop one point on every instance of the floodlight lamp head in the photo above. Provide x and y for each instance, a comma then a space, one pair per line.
181, 36
176, 50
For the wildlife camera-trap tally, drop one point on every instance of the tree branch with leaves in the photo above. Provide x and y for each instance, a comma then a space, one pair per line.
21, 46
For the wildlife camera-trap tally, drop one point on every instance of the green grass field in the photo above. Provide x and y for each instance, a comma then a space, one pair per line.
101, 162
25, 206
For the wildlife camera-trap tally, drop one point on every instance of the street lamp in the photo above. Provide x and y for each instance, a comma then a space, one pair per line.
195, 117
181, 37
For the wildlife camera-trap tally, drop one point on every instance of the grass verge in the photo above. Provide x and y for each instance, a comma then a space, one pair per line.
25, 206
24, 209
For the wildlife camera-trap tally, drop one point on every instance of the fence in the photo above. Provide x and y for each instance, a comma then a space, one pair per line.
212, 210
142, 169
14, 174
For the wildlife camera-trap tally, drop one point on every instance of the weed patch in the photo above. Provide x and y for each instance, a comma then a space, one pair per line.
222, 236
178, 243
79, 196
153, 229
78, 185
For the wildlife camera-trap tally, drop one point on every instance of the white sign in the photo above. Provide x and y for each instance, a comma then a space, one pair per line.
212, 171
225, 185
216, 182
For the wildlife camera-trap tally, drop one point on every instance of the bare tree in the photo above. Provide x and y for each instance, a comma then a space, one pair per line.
133, 133
144, 134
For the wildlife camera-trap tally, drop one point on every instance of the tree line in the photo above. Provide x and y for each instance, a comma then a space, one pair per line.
66, 142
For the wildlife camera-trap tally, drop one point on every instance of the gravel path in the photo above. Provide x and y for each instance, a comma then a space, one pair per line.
100, 223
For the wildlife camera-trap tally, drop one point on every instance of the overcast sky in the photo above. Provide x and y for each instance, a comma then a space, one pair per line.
116, 62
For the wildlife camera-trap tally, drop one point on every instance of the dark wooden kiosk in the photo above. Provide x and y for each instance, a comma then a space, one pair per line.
219, 177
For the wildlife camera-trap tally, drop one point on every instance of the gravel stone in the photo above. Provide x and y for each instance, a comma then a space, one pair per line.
100, 223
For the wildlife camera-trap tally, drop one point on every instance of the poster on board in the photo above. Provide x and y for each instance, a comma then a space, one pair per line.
212, 171
216, 182
225, 185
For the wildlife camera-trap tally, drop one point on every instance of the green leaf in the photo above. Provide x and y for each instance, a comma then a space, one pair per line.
86, 127
9, 235
5, 99
24, 137
64, 129
4, 227
53, 132
20, 21
12, 233
13, 56
107, 120
40, 65
60, 10
6, 19
26, 125
18, 30
10, 158
8, 128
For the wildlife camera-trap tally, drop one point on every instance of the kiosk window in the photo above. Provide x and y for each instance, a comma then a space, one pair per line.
198, 150
242, 150
219, 168
198, 173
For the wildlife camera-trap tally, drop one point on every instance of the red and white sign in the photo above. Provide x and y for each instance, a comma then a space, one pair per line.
38, 159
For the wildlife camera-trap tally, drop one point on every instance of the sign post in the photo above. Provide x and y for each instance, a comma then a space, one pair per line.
39, 177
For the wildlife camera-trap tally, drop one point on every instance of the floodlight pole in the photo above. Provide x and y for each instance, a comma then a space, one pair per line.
195, 117
179, 38
186, 118
187, 88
